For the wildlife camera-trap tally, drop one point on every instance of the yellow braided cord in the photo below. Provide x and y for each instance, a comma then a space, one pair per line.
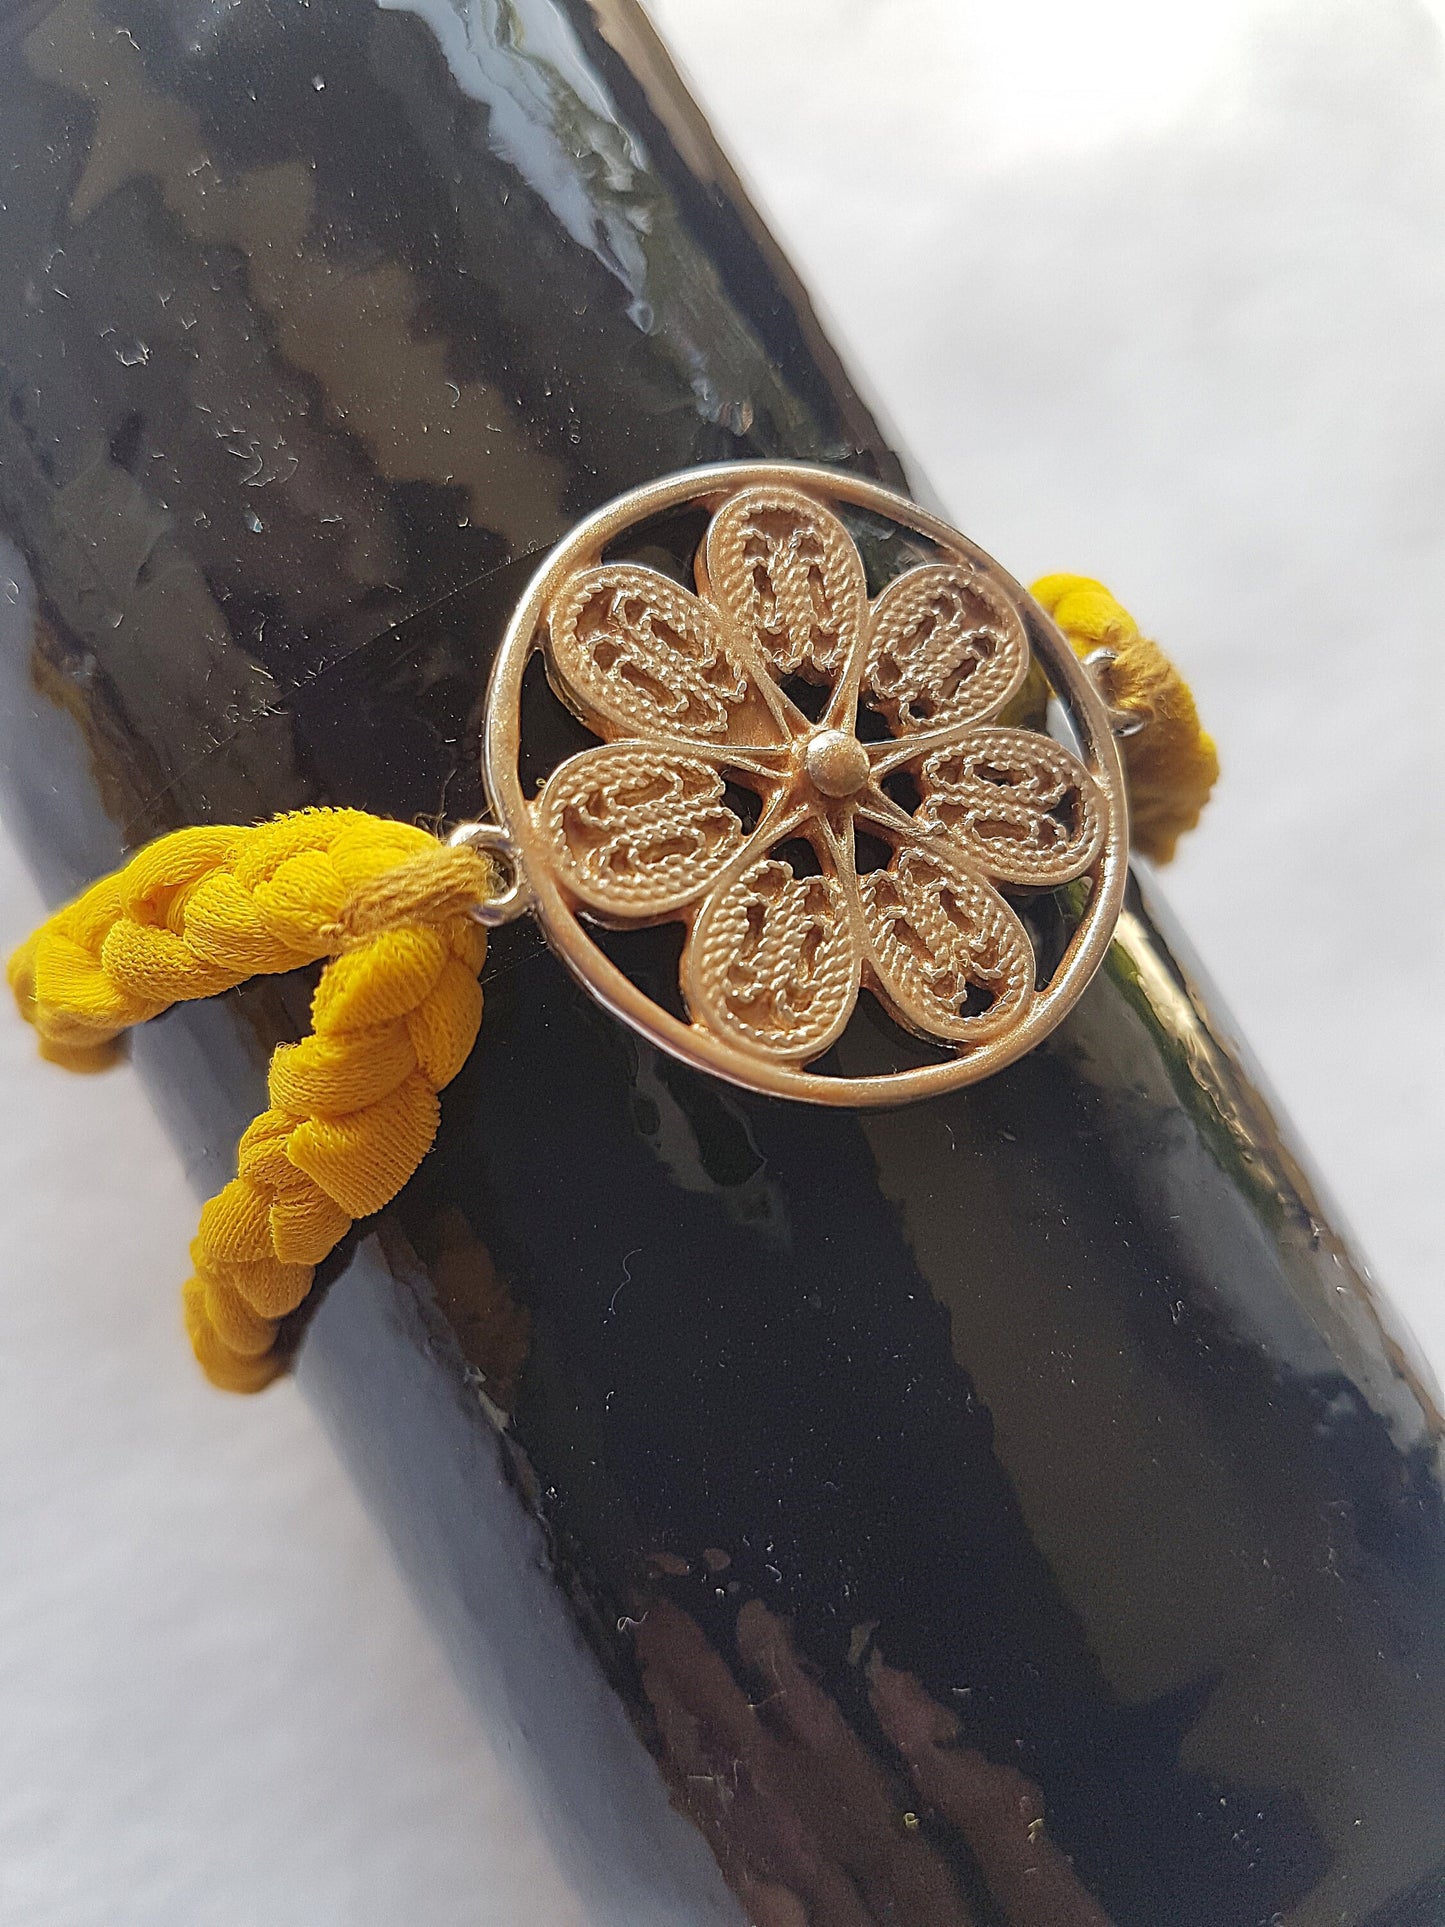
353, 1107
1171, 765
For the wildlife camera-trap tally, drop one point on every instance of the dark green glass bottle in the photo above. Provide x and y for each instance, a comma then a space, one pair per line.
1007, 1509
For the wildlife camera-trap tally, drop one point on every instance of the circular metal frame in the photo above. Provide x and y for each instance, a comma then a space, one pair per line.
562, 922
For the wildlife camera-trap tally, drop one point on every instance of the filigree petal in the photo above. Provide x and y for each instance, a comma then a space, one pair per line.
635, 653
787, 574
774, 963
638, 832
944, 647
949, 955
1017, 805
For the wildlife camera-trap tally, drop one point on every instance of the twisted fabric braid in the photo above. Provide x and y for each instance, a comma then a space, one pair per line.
1171, 764
353, 1107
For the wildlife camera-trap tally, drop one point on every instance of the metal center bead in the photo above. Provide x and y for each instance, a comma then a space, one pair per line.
837, 763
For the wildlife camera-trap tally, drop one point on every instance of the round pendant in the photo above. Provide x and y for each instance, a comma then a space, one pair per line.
805, 723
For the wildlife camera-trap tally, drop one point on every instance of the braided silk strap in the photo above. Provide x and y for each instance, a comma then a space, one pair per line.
1170, 762
353, 1107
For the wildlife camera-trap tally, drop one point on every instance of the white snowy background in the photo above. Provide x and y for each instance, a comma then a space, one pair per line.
1152, 292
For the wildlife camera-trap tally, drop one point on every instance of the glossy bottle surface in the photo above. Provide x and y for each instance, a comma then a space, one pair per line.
1008, 1509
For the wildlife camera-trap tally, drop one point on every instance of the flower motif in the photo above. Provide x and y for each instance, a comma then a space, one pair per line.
814, 782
